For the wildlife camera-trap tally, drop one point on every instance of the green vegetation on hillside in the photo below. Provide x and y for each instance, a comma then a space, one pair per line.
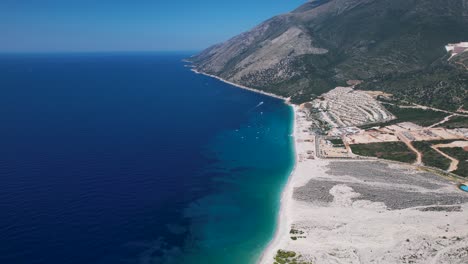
397, 151
418, 116
395, 46
444, 87
461, 61
431, 157
462, 156
456, 122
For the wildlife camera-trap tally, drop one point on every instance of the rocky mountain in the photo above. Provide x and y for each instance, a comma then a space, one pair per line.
324, 43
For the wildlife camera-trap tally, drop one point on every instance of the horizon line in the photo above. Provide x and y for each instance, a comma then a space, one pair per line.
97, 51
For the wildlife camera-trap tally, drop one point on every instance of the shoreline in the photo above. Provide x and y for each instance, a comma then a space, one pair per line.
282, 221
286, 100
320, 199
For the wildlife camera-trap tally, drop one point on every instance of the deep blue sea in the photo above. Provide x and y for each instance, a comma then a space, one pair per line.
132, 158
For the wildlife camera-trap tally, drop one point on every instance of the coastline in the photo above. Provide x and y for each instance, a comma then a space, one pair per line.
320, 200
282, 223
420, 211
242, 86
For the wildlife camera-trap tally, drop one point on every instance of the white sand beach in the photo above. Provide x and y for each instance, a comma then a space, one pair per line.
367, 211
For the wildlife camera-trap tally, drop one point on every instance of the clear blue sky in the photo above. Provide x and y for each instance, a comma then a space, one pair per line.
128, 25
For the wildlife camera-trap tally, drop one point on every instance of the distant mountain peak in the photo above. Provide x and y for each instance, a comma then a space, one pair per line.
310, 5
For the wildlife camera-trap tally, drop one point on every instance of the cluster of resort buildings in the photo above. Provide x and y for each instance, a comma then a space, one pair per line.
344, 111
346, 107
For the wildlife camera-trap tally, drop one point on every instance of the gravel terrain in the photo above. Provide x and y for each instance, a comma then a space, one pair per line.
395, 186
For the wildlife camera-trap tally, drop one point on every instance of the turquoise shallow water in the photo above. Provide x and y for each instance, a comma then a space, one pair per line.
255, 160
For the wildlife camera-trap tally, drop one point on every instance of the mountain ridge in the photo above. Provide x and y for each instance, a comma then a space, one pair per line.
322, 44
